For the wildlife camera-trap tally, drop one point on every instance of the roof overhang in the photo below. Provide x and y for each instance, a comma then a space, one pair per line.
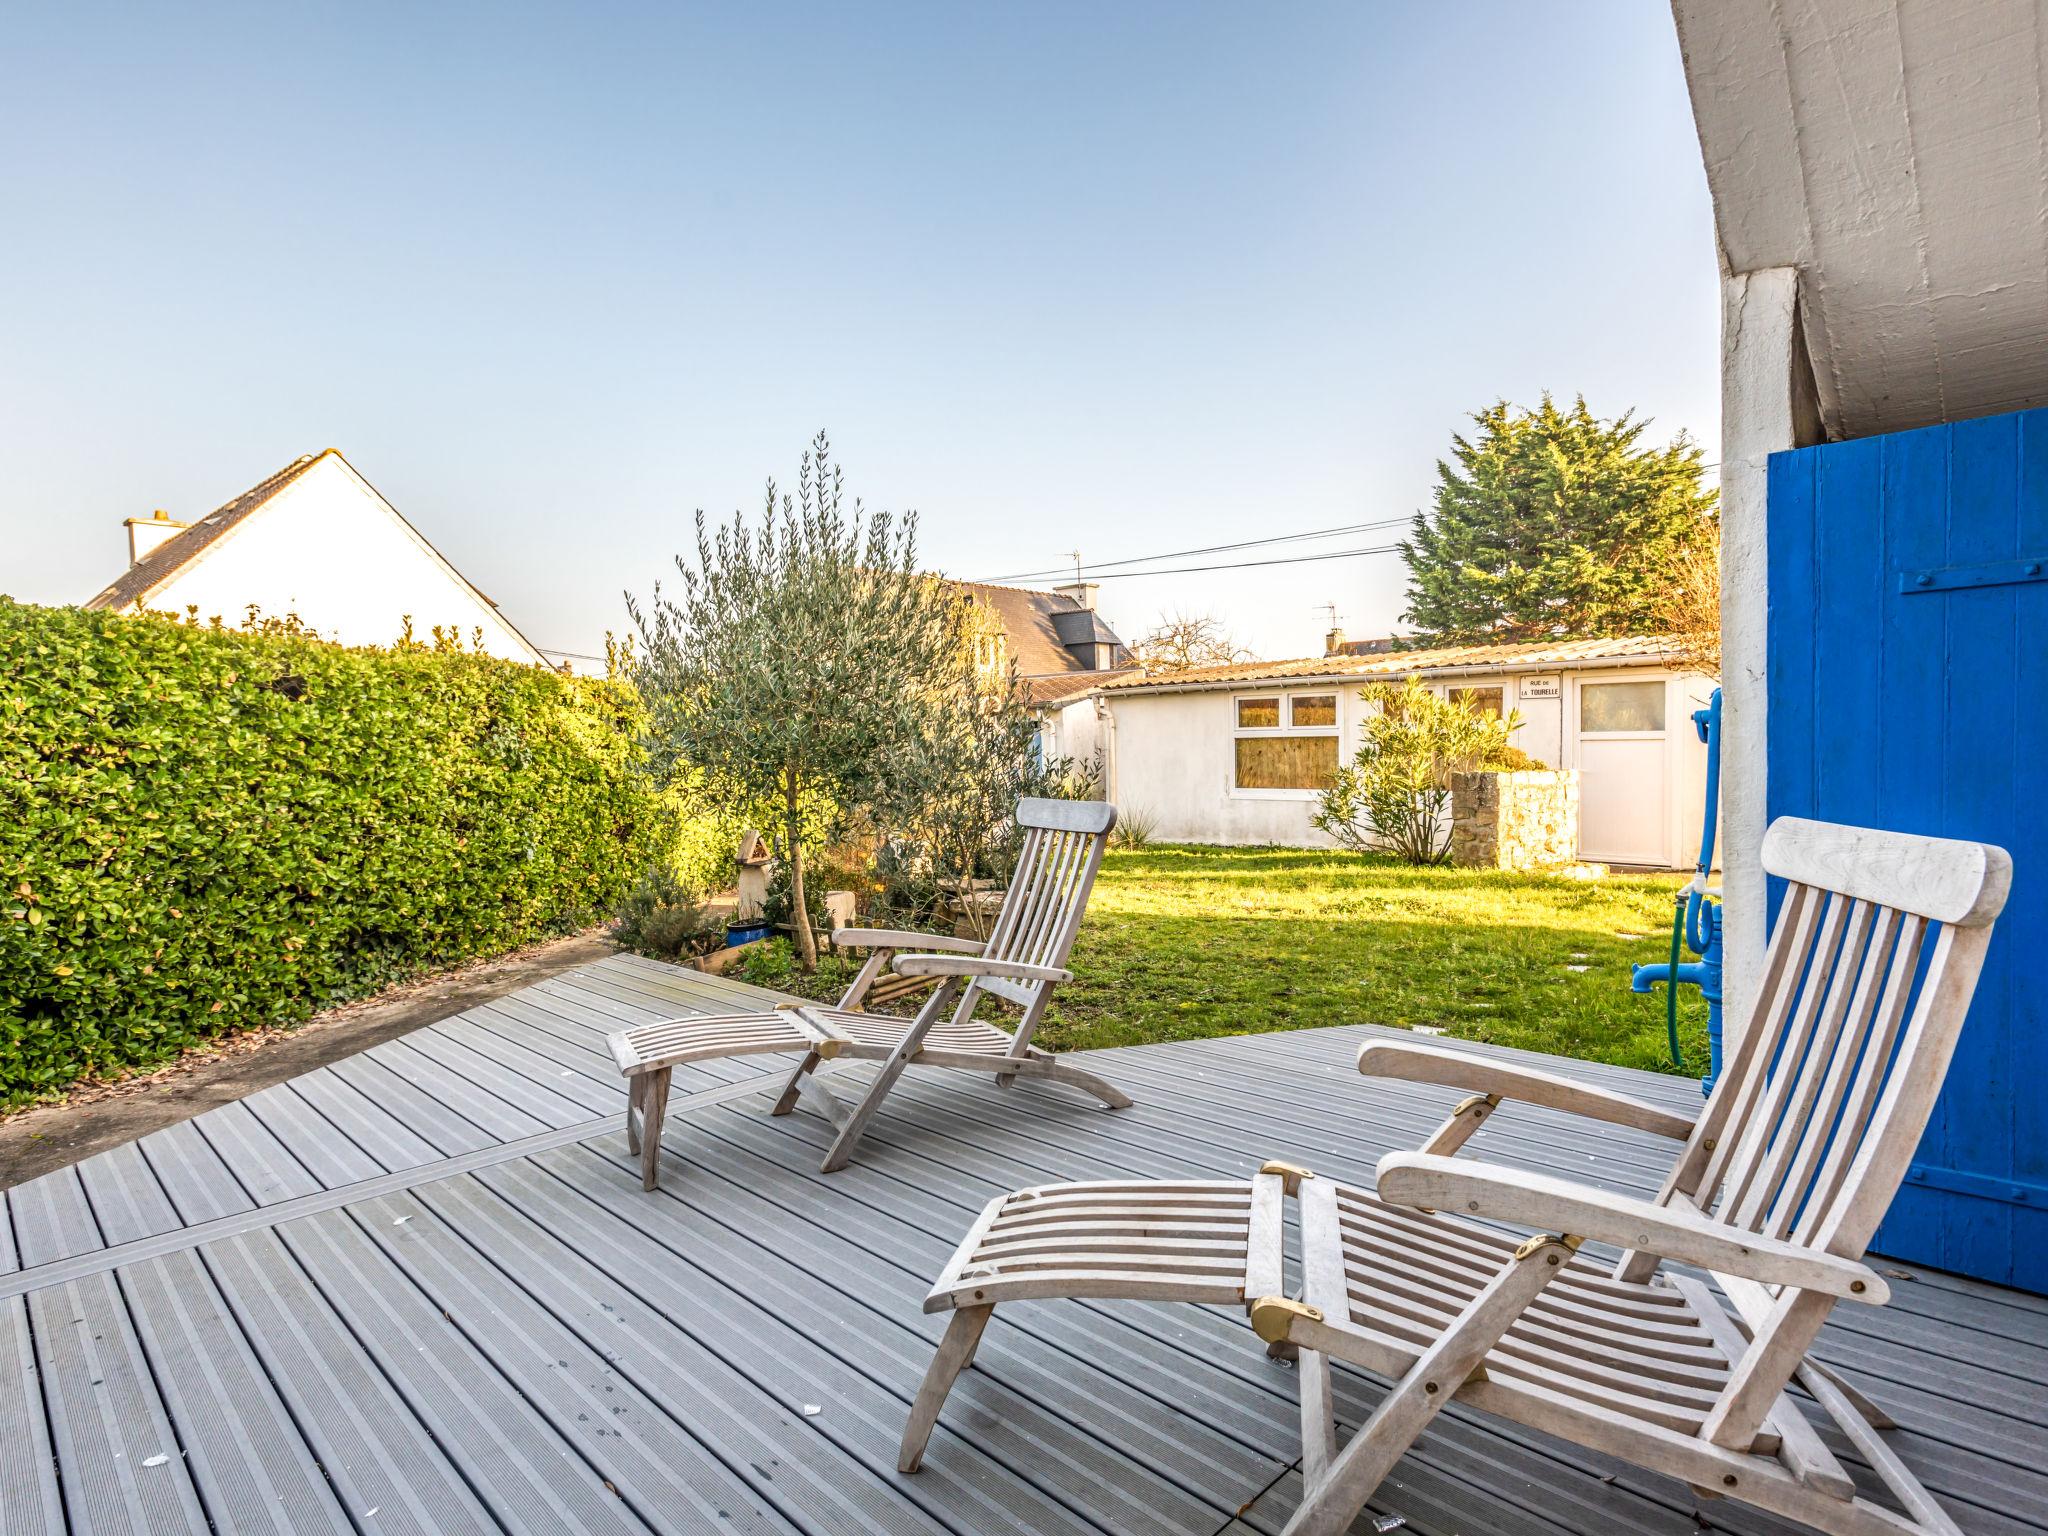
1385, 675
1893, 153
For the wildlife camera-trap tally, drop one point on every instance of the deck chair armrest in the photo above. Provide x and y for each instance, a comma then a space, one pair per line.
1506, 1080
977, 965
1467, 1188
892, 938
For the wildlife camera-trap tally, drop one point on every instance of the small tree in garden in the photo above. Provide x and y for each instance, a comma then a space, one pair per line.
1394, 791
799, 666
961, 779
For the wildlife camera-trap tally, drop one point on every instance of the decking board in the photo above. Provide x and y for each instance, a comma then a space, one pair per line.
245, 1456
432, 1287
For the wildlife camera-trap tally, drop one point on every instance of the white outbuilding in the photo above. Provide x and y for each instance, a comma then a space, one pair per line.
1237, 754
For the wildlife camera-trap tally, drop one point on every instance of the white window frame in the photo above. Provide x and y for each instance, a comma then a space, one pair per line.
1506, 685
1286, 727
1617, 675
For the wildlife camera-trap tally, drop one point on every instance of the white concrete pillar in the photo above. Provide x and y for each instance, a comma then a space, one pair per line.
1760, 410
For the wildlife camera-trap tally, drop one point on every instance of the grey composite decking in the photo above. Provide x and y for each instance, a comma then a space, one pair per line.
421, 1290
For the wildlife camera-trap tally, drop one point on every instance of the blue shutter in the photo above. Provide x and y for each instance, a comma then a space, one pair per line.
1908, 670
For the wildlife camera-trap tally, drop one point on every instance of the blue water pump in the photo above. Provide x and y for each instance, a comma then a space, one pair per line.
1695, 918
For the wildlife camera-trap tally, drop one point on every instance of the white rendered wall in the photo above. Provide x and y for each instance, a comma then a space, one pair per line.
1073, 730
1172, 758
1759, 321
327, 549
1175, 760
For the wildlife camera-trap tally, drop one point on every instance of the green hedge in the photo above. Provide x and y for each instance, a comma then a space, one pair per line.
202, 830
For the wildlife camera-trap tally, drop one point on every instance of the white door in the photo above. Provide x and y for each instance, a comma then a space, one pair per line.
1624, 772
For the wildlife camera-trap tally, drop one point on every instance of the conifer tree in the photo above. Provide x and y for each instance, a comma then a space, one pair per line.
1549, 523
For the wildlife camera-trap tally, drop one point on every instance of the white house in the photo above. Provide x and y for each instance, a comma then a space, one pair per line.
1061, 648
315, 540
1236, 754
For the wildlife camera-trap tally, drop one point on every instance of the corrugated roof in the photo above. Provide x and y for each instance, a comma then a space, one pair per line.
1048, 691
1450, 658
135, 584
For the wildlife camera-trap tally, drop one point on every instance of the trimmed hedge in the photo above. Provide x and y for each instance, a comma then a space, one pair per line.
202, 830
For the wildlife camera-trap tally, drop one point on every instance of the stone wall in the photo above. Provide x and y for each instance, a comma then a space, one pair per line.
1514, 820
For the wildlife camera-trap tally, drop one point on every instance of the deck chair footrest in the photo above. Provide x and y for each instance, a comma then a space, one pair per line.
1213, 1241
676, 1042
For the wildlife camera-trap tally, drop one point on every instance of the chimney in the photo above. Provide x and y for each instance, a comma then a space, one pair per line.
1081, 592
145, 534
1333, 643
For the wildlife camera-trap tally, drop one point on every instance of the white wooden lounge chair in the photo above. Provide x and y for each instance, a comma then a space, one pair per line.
1775, 1192
1021, 963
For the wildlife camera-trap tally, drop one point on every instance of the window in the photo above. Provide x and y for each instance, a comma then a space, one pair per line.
1291, 759
1312, 709
1285, 762
1621, 707
1489, 703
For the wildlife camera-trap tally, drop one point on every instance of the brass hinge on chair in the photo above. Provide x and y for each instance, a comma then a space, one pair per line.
1479, 1101
1291, 1174
1535, 1245
1271, 1316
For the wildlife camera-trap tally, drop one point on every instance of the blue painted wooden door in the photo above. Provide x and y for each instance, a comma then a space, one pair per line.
1908, 654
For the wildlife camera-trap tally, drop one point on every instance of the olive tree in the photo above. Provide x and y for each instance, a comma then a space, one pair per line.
952, 804
798, 666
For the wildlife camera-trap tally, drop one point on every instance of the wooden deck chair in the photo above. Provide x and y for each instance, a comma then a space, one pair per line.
1021, 963
1775, 1192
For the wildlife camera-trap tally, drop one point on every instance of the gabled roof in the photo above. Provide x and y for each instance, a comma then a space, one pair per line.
1639, 650
1040, 626
134, 586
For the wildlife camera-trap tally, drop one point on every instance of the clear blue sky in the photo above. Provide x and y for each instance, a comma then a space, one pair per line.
1128, 277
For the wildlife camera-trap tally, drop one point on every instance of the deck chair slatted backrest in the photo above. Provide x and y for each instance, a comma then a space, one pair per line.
1022, 961
1041, 914
1811, 1128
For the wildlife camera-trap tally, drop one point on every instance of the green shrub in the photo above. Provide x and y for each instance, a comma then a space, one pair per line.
707, 837
1135, 827
202, 831
663, 918
778, 907
905, 891
769, 963
773, 963
1396, 789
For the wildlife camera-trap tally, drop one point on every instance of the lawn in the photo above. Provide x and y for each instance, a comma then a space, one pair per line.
1184, 941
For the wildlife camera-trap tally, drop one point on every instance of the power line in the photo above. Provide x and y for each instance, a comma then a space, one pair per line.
1245, 565
1212, 549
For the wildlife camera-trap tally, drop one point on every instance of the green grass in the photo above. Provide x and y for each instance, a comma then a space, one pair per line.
1182, 942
